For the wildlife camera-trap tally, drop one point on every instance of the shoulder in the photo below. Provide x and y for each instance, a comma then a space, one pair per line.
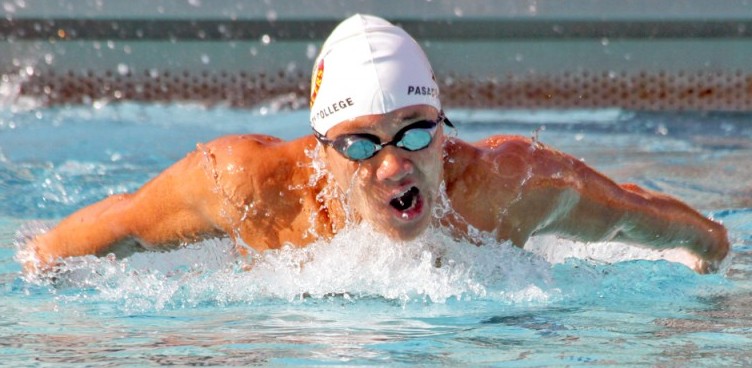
492, 145
255, 158
256, 147
462, 156
507, 159
244, 142
252, 166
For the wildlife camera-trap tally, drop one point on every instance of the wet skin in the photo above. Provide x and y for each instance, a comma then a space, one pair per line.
264, 192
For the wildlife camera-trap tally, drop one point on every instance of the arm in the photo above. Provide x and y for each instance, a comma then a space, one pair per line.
175, 207
574, 200
537, 190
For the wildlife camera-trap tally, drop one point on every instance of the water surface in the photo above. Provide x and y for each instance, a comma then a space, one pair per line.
361, 299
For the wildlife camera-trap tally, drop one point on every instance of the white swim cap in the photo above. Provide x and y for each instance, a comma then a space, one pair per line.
368, 66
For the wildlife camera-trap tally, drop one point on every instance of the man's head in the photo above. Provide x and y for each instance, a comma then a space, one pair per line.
368, 66
375, 107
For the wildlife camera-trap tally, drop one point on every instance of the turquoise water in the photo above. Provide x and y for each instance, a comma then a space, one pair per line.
362, 300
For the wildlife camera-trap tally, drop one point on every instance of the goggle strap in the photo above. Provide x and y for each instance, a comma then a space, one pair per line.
442, 117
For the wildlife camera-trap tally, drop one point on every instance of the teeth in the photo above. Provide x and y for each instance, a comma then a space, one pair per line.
402, 194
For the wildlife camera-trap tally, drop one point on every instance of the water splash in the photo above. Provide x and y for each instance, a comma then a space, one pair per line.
358, 263
10, 92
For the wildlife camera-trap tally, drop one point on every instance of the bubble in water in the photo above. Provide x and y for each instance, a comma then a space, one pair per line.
271, 15
661, 129
205, 59
311, 51
123, 69
99, 104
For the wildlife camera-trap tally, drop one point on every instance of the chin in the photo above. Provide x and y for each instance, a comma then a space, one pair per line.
413, 232
406, 231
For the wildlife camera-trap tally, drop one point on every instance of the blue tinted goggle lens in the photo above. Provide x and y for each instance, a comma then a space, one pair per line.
416, 139
360, 147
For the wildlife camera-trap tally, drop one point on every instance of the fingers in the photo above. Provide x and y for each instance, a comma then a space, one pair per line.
33, 258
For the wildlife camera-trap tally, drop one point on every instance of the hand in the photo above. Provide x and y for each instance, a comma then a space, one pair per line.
695, 262
33, 257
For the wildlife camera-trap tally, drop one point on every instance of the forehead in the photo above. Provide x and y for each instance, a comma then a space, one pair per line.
385, 123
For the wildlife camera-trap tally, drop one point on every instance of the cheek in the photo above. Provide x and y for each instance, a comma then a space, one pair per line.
351, 177
432, 164
364, 173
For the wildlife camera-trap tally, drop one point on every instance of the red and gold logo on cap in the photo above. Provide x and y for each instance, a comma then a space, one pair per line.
316, 78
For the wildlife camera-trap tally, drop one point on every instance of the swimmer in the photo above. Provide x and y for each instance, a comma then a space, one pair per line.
379, 154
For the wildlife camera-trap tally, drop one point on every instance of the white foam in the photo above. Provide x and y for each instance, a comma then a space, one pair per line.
358, 263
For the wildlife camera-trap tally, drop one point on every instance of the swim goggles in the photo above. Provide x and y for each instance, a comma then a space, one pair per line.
359, 147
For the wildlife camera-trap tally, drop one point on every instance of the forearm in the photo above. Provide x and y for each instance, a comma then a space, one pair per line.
559, 194
663, 222
91, 230
179, 206
630, 214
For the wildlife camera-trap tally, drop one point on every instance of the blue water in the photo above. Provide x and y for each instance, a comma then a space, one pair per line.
362, 300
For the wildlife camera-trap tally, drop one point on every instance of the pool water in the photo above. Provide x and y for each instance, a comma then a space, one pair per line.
361, 299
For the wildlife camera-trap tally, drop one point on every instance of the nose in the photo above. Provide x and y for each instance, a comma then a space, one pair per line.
392, 165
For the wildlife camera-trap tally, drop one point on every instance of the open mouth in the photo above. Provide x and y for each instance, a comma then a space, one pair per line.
406, 200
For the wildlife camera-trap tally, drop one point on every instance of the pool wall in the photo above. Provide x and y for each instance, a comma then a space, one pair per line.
638, 54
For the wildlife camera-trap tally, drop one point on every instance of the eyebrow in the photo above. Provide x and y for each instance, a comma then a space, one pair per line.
413, 115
